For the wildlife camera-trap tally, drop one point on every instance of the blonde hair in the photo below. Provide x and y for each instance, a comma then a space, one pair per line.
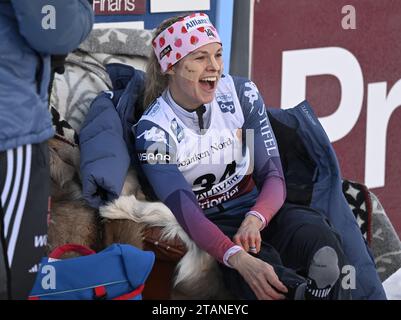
156, 81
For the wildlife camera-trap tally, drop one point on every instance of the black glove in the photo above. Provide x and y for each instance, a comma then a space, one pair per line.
57, 63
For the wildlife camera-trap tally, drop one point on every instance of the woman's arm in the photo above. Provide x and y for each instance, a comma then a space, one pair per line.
267, 173
172, 189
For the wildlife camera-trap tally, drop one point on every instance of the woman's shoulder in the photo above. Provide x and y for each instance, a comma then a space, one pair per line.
155, 115
236, 78
152, 109
241, 84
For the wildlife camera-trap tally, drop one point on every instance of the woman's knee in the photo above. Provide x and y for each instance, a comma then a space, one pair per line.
318, 235
321, 246
324, 267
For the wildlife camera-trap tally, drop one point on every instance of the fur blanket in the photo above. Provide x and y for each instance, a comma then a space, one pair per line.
71, 220
197, 274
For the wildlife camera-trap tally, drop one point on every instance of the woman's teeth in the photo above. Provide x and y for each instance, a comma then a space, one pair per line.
212, 79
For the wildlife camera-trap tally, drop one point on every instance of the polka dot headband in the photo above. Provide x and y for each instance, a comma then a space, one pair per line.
182, 38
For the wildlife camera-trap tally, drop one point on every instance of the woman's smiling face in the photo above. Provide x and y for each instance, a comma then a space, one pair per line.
193, 80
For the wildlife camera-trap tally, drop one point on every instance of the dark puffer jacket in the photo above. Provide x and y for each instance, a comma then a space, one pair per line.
25, 49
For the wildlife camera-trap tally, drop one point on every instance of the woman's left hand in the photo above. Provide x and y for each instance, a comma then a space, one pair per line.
248, 234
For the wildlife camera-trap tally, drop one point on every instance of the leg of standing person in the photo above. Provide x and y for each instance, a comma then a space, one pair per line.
25, 194
4, 270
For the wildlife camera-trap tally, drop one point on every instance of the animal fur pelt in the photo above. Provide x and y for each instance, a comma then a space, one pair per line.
122, 231
125, 231
71, 220
197, 274
64, 170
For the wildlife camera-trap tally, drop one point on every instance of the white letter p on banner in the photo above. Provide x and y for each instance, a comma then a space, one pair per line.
336, 61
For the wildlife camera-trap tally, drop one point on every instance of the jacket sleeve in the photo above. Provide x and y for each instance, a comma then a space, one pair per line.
104, 154
73, 20
268, 172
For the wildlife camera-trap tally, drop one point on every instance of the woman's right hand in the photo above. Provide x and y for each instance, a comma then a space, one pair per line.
259, 275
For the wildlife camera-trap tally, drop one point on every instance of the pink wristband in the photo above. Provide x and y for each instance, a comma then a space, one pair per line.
258, 215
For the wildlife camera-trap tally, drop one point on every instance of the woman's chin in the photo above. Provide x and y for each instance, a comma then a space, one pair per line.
206, 101
208, 97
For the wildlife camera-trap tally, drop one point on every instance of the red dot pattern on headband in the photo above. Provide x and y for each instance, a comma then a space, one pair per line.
178, 42
194, 40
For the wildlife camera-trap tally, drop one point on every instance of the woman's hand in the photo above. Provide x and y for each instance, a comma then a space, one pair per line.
259, 275
248, 234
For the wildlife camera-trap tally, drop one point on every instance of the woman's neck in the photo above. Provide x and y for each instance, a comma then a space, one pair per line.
185, 106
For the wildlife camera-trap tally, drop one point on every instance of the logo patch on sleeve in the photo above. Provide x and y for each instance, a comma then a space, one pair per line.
154, 134
225, 102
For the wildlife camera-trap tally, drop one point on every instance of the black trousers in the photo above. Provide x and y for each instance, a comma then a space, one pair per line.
289, 243
24, 189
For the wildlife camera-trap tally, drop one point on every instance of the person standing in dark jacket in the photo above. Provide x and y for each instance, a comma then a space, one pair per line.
30, 32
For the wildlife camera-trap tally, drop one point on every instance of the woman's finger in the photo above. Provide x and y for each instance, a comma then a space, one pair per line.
245, 243
275, 282
258, 243
254, 243
269, 292
259, 293
237, 240
253, 248
257, 287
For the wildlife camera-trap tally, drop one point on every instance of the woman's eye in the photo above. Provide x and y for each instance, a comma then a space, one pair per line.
199, 58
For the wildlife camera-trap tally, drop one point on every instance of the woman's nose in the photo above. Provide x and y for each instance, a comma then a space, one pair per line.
213, 63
